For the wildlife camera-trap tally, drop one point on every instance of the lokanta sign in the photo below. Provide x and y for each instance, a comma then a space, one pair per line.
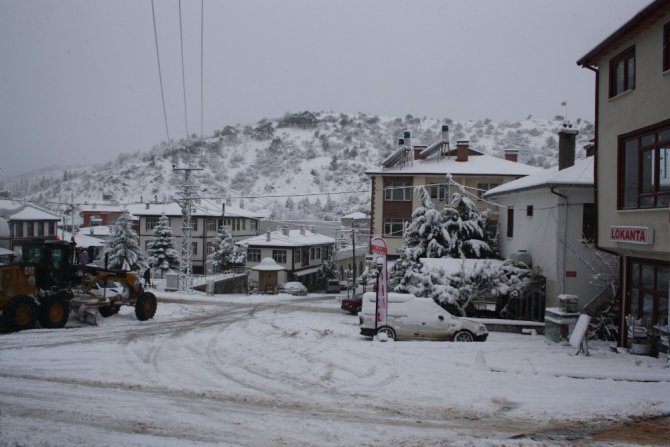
633, 235
378, 248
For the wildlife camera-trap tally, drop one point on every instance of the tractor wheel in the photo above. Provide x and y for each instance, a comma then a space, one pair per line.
110, 310
145, 306
20, 313
54, 312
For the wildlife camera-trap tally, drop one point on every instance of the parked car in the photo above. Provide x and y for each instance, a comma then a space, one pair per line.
353, 305
332, 286
295, 288
412, 318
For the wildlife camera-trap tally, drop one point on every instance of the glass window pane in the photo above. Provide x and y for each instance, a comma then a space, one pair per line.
664, 169
619, 77
664, 135
662, 274
647, 140
634, 303
647, 171
631, 73
648, 276
647, 309
635, 274
663, 311
630, 174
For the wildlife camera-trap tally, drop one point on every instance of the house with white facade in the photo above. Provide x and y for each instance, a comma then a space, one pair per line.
300, 252
22, 222
438, 168
207, 217
550, 217
632, 159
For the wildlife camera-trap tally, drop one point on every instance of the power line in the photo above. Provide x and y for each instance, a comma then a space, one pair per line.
183, 74
160, 75
202, 63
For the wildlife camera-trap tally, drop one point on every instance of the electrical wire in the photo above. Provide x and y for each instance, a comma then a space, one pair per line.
160, 75
202, 63
183, 72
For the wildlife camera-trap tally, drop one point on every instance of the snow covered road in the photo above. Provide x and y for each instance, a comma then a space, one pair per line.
279, 370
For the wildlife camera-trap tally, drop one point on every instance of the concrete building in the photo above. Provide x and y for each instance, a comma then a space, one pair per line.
438, 168
550, 216
632, 161
21, 222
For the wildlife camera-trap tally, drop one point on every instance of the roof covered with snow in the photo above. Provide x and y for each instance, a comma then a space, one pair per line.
205, 208
98, 230
83, 240
102, 208
580, 174
268, 265
292, 238
13, 210
475, 165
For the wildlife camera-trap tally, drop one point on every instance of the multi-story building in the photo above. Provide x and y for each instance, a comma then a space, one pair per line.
441, 171
22, 222
207, 218
300, 252
632, 161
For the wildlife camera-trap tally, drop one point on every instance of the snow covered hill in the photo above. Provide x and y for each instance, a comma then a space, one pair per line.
303, 165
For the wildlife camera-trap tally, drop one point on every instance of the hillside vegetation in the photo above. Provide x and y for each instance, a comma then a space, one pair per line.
273, 164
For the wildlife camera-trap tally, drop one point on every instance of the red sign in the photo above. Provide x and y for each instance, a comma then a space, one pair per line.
633, 235
570, 274
379, 252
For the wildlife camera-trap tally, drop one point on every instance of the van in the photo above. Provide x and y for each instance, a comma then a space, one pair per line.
412, 318
333, 286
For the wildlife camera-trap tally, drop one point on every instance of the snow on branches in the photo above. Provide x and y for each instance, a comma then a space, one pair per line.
162, 253
124, 246
226, 254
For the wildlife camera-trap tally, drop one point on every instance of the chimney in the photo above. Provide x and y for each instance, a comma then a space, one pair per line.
284, 230
223, 209
302, 231
417, 153
512, 155
268, 238
566, 146
590, 148
312, 229
407, 136
462, 148
147, 206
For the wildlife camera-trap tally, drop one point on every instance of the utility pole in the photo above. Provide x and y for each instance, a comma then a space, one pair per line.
185, 200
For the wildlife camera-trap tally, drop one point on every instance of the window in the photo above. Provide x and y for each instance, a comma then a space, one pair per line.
18, 229
588, 222
529, 211
194, 248
318, 253
254, 255
395, 227
31, 229
52, 229
483, 187
622, 72
194, 224
398, 191
297, 256
211, 224
438, 192
253, 224
648, 291
312, 254
666, 47
40, 228
510, 222
210, 248
644, 160
279, 256
150, 223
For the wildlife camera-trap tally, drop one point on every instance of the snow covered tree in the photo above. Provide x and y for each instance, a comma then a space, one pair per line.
226, 254
466, 229
162, 253
425, 236
124, 246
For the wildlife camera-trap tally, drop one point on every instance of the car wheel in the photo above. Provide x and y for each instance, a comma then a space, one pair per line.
464, 336
390, 333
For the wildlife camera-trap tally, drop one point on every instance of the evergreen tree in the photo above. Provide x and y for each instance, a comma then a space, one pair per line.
425, 236
161, 250
124, 246
466, 229
226, 253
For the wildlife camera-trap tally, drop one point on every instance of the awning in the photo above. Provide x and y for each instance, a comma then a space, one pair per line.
307, 271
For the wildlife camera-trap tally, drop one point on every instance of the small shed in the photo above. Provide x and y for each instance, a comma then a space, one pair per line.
268, 275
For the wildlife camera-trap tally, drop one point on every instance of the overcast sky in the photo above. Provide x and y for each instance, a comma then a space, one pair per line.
79, 78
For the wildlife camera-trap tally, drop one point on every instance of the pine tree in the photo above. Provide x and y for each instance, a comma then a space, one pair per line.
162, 253
425, 236
466, 229
226, 253
124, 247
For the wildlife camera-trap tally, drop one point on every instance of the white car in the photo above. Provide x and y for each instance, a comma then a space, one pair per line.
295, 288
108, 290
412, 318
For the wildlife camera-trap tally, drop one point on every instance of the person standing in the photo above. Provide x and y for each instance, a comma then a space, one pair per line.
147, 277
